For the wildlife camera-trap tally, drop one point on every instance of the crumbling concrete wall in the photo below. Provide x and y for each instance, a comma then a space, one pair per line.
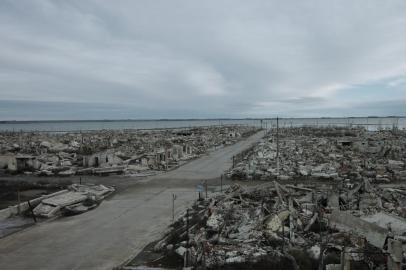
17, 163
7, 161
345, 221
101, 159
73, 153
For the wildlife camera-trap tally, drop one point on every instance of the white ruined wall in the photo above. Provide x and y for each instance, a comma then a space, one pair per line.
8, 161
102, 159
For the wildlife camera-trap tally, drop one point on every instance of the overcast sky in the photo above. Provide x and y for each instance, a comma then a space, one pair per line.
187, 59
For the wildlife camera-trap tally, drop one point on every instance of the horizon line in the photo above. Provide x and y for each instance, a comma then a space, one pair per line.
187, 119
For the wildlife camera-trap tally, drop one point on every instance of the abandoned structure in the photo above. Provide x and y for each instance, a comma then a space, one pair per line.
326, 153
331, 198
18, 163
273, 225
110, 151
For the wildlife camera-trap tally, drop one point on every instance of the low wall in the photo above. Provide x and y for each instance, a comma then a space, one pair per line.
13, 210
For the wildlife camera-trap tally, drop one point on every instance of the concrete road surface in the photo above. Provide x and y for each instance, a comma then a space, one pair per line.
120, 227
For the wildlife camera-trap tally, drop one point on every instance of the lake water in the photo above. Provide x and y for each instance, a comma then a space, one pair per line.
371, 123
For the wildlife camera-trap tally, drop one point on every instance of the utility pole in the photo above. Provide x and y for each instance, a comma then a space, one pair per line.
187, 228
277, 146
173, 207
19, 199
186, 259
205, 187
283, 238
221, 184
321, 241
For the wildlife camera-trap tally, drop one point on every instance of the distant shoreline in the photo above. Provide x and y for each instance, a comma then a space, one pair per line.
191, 119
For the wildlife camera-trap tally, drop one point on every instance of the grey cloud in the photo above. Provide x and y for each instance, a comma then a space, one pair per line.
303, 100
228, 58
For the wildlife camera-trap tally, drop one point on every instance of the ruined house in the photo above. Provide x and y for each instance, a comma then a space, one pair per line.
84, 152
102, 159
18, 163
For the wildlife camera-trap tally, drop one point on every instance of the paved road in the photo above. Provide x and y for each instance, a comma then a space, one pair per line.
120, 227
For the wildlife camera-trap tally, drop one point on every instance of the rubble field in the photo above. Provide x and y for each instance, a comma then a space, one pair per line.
295, 226
328, 198
329, 153
105, 152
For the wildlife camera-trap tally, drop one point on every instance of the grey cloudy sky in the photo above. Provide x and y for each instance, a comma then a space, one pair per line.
186, 59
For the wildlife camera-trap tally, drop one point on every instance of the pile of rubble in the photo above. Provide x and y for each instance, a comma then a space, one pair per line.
326, 153
297, 227
76, 199
111, 151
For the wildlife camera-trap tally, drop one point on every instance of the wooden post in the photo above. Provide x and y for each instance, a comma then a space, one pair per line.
173, 207
32, 211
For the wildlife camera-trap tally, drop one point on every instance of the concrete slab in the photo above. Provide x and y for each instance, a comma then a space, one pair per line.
345, 221
384, 220
65, 199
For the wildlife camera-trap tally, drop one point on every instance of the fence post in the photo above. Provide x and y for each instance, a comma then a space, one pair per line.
32, 211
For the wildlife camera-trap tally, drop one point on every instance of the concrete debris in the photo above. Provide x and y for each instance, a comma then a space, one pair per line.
111, 151
77, 199
387, 221
336, 153
251, 225
345, 221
